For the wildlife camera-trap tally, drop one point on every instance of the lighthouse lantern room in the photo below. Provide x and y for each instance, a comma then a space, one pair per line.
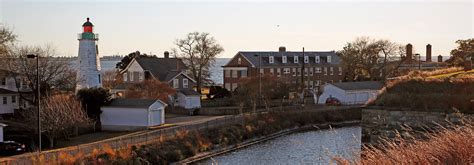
88, 61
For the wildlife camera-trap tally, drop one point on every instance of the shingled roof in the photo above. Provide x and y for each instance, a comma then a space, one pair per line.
132, 103
254, 60
6, 91
164, 69
362, 85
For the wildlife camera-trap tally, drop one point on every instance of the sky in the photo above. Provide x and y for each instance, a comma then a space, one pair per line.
252, 25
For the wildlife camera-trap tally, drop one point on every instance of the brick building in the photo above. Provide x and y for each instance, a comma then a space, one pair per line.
319, 67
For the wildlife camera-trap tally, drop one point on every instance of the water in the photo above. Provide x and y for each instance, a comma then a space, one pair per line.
315, 147
216, 69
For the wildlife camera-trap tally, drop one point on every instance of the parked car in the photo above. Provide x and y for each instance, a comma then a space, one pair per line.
333, 101
8, 148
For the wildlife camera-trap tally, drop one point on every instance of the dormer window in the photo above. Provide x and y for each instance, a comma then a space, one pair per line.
295, 59
283, 59
306, 59
317, 59
239, 61
329, 59
270, 59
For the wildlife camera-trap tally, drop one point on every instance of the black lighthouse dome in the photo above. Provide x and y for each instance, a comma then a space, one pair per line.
87, 23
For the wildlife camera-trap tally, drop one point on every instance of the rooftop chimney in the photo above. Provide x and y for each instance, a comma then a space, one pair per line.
281, 49
167, 54
440, 58
428, 53
409, 57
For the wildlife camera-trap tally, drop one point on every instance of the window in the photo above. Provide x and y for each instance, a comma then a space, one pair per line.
295, 59
283, 59
185, 83
317, 59
131, 76
310, 84
299, 71
239, 61
243, 73
340, 71
125, 76
325, 71
331, 71
234, 74
140, 76
227, 73
4, 100
270, 59
175, 83
294, 71
278, 72
317, 70
317, 82
306, 59
310, 71
13, 99
262, 71
329, 59
305, 71
234, 85
306, 85
286, 70
227, 86
271, 71
4, 81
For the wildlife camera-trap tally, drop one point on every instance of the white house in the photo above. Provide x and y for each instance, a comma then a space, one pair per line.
350, 93
188, 99
1, 131
132, 114
9, 96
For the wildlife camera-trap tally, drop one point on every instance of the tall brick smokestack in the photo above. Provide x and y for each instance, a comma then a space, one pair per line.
428, 53
409, 57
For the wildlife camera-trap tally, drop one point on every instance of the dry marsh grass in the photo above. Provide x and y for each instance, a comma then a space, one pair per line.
450, 145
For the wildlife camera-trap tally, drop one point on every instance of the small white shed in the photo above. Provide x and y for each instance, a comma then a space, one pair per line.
188, 99
350, 93
124, 114
1, 131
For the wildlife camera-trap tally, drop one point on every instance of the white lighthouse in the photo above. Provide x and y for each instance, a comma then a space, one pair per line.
89, 63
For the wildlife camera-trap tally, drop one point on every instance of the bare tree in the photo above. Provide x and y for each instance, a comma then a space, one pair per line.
59, 115
198, 52
54, 74
365, 58
7, 38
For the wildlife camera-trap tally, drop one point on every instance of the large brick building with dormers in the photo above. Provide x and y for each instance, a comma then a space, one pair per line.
319, 67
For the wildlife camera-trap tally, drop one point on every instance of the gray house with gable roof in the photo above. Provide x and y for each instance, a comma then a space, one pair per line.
167, 69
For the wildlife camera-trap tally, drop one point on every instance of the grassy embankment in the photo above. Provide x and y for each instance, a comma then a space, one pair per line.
188, 143
444, 90
447, 90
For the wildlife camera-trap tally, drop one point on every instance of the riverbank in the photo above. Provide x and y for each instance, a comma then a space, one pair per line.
257, 140
188, 144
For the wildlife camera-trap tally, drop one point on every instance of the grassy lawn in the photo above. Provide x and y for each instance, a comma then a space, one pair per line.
441, 76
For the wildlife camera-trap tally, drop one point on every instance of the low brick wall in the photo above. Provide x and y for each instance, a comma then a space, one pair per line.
377, 122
